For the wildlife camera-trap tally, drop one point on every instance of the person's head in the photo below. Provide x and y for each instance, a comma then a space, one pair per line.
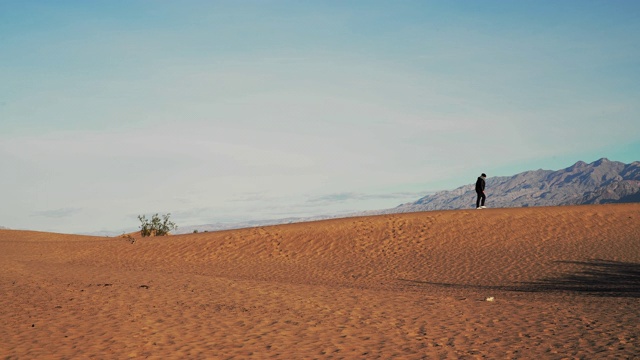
483, 175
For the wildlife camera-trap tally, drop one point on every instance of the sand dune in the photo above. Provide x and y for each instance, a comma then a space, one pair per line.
565, 283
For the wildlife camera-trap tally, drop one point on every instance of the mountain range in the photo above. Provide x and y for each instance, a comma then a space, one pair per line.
600, 182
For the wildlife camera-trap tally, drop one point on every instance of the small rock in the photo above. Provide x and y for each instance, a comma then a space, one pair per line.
490, 298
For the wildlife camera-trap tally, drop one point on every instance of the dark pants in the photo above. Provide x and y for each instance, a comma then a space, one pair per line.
482, 196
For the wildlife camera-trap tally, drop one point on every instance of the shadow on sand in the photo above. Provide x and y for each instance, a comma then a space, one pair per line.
594, 278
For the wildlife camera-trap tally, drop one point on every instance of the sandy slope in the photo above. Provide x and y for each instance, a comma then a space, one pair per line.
566, 283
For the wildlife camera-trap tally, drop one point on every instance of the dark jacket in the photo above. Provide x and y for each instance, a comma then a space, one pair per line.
480, 184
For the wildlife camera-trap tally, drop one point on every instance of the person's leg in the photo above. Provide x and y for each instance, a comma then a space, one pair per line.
478, 200
484, 197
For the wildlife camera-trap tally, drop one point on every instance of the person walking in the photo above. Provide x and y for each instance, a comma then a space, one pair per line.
480, 191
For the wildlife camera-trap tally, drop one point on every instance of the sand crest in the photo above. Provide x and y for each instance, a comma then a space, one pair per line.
552, 282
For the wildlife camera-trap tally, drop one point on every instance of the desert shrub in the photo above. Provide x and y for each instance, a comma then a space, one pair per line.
157, 226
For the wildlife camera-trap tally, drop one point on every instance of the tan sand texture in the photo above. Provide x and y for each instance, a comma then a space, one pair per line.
565, 284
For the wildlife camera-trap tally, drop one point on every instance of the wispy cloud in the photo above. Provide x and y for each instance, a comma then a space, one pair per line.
297, 114
356, 196
58, 213
251, 197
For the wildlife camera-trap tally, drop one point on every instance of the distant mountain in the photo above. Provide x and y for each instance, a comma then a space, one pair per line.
600, 182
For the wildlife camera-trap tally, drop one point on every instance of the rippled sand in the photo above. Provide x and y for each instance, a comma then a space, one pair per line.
565, 283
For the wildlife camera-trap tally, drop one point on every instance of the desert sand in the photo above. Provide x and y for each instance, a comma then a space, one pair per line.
548, 283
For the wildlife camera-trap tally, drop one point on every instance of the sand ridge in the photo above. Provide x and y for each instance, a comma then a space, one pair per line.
565, 282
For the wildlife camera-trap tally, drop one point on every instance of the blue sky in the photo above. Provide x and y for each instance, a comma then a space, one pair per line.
220, 111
